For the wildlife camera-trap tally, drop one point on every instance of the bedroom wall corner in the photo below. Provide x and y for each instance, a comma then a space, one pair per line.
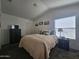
24, 24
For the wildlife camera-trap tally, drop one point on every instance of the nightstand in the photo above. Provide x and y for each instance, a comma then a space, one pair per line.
63, 43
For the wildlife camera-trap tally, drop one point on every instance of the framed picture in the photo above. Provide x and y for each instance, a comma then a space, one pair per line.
46, 22
36, 24
40, 23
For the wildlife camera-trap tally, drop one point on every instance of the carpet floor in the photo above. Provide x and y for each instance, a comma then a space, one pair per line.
14, 52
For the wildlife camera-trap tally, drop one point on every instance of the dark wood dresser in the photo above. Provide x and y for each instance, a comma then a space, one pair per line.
15, 35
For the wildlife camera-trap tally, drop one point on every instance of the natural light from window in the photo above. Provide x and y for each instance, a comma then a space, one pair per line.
66, 27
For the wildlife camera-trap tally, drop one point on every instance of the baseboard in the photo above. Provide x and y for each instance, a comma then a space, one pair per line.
73, 50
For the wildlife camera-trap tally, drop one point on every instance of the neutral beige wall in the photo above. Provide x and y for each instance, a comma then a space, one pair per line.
49, 27
39, 28
44, 17
6, 20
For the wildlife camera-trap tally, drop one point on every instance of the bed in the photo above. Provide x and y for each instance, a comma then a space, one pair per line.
38, 46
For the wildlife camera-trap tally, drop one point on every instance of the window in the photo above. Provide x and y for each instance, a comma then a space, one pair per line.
66, 27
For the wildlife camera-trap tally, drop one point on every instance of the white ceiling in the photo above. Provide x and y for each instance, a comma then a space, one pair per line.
58, 3
25, 8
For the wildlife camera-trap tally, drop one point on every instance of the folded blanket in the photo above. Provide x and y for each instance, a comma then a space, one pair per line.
38, 45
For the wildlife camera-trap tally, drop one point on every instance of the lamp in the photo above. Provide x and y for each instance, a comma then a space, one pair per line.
60, 30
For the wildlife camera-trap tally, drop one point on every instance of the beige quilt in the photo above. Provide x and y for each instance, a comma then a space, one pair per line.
38, 46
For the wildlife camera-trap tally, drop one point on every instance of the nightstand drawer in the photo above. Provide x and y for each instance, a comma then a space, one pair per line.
63, 44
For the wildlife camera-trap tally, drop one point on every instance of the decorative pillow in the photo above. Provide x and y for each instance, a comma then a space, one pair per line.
44, 32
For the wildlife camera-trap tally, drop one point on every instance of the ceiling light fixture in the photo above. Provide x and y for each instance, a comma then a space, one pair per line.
34, 4
10, 0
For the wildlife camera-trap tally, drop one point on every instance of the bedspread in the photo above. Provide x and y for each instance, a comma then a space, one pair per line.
38, 46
